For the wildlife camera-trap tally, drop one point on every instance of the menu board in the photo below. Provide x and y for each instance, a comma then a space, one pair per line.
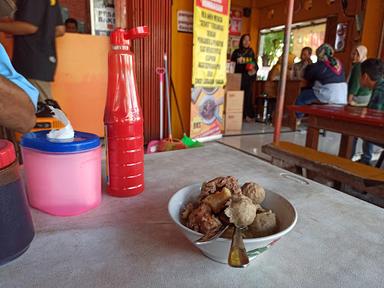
210, 37
102, 16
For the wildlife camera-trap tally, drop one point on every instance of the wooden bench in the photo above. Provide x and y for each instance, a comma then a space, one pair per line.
361, 177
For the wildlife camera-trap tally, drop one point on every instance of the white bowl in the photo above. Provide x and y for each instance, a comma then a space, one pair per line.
218, 250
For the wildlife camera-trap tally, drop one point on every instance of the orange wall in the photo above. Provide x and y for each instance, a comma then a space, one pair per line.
80, 84
181, 73
81, 80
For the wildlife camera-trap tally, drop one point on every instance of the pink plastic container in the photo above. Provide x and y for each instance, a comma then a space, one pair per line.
63, 178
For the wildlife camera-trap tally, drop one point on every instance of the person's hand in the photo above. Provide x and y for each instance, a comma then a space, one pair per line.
352, 103
252, 72
364, 112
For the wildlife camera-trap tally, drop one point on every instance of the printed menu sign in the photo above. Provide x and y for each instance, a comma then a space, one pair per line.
102, 16
210, 37
184, 21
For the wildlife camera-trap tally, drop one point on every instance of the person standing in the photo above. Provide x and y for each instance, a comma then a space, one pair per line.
244, 57
36, 25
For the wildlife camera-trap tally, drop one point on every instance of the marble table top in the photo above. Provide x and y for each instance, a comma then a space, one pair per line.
338, 240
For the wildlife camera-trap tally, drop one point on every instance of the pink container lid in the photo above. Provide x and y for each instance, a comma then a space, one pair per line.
7, 153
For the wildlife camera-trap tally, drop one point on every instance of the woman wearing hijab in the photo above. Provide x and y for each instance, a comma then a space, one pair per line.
244, 57
327, 79
357, 95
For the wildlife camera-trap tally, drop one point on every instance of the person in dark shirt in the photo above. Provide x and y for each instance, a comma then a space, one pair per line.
36, 25
372, 71
244, 57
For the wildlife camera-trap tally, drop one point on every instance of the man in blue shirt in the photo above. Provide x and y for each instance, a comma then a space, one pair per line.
18, 98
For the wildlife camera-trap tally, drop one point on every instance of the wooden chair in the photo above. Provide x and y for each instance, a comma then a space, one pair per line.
271, 89
292, 91
262, 88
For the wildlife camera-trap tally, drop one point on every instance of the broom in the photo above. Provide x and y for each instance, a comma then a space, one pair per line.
169, 144
189, 142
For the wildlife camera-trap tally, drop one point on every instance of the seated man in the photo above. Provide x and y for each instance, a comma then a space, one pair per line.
71, 25
372, 71
18, 98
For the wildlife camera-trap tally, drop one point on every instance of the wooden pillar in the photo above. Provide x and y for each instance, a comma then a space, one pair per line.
121, 13
283, 76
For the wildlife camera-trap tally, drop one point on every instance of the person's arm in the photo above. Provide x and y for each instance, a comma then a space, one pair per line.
16, 109
234, 56
377, 100
254, 60
28, 18
354, 83
60, 27
18, 28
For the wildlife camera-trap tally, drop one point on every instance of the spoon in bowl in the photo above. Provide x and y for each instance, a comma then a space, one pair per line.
238, 257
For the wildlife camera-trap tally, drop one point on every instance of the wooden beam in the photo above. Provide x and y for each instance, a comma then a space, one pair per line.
121, 13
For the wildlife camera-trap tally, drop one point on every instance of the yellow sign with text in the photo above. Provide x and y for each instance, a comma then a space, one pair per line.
210, 42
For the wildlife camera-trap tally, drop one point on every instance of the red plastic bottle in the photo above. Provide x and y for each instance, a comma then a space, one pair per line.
123, 118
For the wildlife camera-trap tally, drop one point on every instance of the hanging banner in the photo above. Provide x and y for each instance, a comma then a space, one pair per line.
210, 43
210, 37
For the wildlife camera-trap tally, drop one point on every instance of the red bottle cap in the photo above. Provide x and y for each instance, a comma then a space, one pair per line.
7, 153
121, 36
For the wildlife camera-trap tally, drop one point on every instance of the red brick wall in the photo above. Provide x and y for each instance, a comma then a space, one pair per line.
78, 9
